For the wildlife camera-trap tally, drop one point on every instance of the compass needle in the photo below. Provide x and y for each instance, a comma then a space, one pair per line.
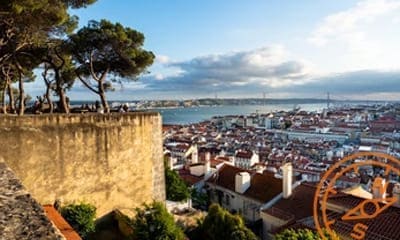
360, 213
331, 211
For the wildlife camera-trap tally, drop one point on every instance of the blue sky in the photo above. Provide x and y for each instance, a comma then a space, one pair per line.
236, 48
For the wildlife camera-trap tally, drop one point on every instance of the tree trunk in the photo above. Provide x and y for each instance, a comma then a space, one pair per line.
63, 100
64, 107
11, 98
3, 99
104, 102
48, 98
102, 95
21, 99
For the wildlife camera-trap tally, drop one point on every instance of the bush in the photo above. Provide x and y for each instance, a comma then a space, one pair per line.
81, 217
199, 199
220, 224
175, 187
302, 234
153, 222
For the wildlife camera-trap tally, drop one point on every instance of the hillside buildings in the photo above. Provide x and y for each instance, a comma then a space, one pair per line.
266, 166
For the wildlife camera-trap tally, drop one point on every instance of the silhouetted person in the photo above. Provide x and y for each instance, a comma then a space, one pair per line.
126, 108
99, 108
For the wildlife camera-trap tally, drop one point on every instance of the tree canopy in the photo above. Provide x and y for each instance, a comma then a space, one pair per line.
27, 24
220, 224
59, 71
40, 34
302, 234
103, 49
153, 222
176, 188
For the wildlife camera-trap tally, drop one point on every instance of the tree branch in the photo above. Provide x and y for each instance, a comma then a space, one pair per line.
86, 83
104, 74
91, 68
44, 75
59, 57
5, 57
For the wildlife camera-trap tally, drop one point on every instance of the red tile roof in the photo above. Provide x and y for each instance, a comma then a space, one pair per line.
226, 177
299, 204
244, 154
263, 187
62, 225
188, 178
223, 158
215, 162
384, 226
167, 127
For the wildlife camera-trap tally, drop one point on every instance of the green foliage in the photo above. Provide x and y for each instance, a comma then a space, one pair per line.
153, 222
287, 124
26, 25
220, 224
199, 198
302, 234
103, 48
58, 70
81, 217
176, 188
78, 3
39, 33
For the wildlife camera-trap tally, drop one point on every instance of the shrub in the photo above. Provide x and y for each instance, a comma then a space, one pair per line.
153, 222
81, 217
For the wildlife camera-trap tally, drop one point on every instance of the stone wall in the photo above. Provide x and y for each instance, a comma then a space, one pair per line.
21, 217
112, 161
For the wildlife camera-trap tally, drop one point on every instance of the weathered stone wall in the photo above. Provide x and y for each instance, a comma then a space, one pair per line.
21, 217
112, 161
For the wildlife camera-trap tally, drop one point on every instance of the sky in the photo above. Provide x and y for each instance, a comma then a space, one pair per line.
236, 48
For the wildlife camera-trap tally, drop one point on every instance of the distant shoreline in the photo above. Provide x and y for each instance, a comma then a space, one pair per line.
177, 104
228, 100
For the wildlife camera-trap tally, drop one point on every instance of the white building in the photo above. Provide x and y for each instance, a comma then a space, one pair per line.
246, 159
243, 192
295, 135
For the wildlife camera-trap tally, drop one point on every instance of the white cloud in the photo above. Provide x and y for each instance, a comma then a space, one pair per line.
162, 59
159, 76
396, 20
271, 66
360, 38
362, 85
272, 69
345, 25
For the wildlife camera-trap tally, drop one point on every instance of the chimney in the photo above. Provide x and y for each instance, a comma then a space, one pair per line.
242, 182
207, 156
379, 188
195, 154
396, 194
171, 161
287, 180
207, 166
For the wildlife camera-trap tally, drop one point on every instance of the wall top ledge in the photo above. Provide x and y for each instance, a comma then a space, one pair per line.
33, 120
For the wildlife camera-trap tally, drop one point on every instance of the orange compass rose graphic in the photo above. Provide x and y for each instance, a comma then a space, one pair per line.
356, 219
